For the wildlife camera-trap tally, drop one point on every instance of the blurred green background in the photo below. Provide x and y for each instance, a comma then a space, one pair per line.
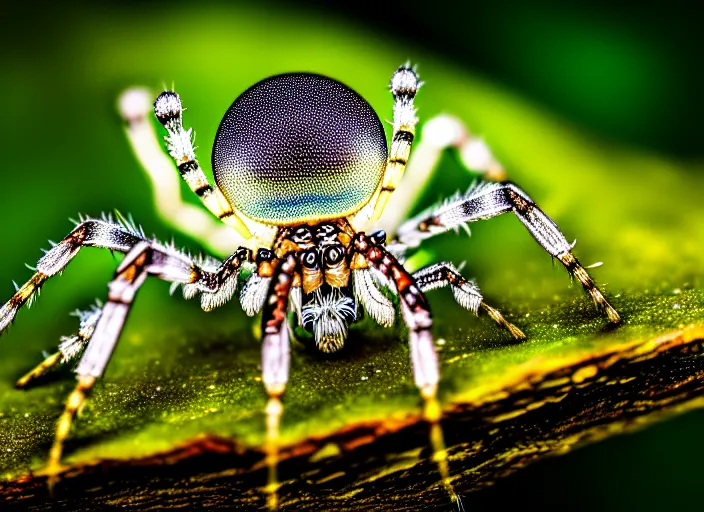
622, 75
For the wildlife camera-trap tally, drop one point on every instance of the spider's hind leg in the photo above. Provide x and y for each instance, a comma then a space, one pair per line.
70, 348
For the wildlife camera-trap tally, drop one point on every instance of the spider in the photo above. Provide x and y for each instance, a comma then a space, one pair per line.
301, 168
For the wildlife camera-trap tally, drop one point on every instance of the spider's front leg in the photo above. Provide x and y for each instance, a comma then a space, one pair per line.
370, 251
275, 363
168, 111
486, 200
136, 108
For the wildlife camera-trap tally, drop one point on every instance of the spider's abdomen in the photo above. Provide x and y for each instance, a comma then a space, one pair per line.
298, 148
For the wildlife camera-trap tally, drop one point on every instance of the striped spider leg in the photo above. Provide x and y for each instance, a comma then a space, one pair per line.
275, 362
485, 200
439, 134
136, 108
215, 231
101, 328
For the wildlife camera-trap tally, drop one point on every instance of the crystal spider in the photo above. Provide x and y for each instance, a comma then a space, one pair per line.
302, 169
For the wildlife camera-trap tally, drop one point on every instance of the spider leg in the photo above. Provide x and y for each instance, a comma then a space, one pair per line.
466, 293
404, 85
485, 200
168, 111
275, 364
216, 286
129, 276
438, 134
135, 105
416, 313
70, 348
91, 232
144, 257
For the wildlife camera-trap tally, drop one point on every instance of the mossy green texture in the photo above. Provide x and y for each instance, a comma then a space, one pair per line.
179, 373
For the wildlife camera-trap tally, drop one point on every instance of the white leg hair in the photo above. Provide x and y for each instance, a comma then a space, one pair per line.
485, 200
215, 281
466, 293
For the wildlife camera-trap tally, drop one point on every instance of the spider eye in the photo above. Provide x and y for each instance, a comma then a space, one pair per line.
264, 255
299, 148
302, 235
309, 259
333, 254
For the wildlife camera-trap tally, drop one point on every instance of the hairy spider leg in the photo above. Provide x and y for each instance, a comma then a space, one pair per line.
438, 134
466, 293
92, 232
424, 360
128, 278
142, 260
275, 363
144, 257
168, 111
485, 200
135, 106
404, 85
70, 348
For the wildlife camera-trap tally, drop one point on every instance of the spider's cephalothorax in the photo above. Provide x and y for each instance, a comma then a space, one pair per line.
296, 160
323, 302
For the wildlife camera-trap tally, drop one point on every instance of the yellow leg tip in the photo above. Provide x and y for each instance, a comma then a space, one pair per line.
381, 203
272, 500
515, 331
39, 370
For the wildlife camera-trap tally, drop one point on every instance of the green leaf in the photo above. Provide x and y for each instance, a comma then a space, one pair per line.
183, 387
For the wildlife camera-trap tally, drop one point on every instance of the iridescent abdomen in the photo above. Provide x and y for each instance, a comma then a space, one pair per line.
299, 148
